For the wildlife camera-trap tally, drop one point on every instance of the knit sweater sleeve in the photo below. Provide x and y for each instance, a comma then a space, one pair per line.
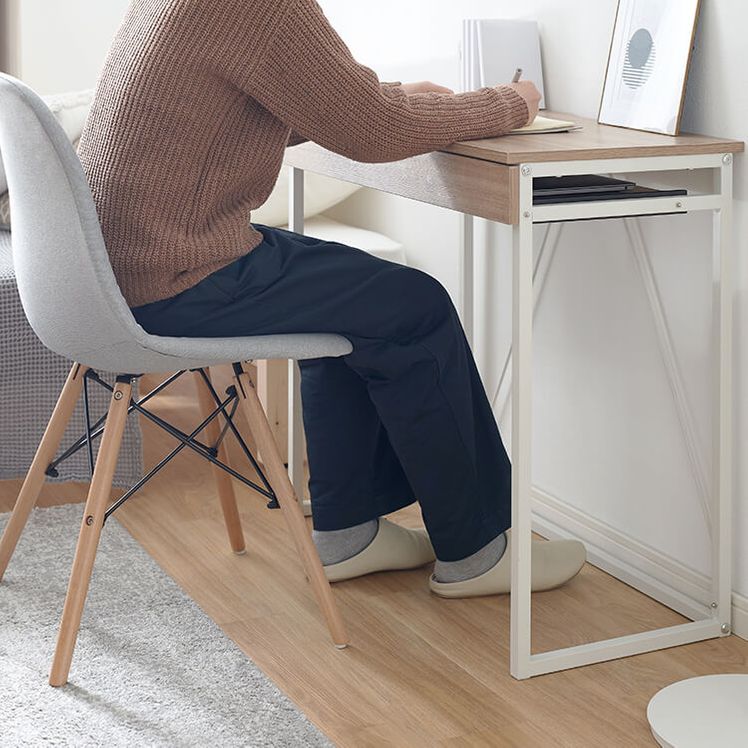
308, 78
295, 138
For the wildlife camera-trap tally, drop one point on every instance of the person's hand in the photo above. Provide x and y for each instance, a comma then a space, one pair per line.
425, 87
528, 91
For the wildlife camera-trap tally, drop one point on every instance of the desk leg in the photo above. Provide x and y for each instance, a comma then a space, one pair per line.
722, 316
467, 276
523, 664
522, 314
295, 424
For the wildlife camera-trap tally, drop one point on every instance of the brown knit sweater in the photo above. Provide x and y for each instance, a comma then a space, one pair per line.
196, 105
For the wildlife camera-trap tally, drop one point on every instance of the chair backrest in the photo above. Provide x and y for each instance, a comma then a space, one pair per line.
65, 280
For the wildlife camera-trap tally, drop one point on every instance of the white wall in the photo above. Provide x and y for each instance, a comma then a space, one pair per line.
607, 436
63, 44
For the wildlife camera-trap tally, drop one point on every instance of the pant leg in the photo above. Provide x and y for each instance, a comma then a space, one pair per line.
355, 475
431, 400
409, 350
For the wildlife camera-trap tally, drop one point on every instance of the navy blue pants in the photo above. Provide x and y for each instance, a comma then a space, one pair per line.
404, 417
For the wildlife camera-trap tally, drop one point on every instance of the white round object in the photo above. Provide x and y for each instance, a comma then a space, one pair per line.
711, 710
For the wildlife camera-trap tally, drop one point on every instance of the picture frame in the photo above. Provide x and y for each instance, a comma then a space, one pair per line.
648, 65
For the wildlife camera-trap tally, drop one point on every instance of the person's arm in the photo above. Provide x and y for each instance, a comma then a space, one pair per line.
295, 139
307, 77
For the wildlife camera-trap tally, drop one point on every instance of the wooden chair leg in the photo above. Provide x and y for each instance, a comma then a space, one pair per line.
224, 484
88, 540
45, 453
278, 477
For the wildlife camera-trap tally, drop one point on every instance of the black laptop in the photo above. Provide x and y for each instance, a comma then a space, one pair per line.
592, 187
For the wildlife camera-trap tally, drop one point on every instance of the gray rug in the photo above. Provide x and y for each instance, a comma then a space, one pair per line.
151, 669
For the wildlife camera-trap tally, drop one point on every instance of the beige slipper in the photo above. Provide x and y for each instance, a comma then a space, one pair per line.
554, 562
393, 548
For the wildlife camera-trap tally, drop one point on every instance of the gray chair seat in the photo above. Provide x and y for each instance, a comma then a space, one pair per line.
144, 353
190, 353
158, 353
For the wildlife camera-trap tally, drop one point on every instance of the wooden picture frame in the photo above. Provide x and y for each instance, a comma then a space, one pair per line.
648, 65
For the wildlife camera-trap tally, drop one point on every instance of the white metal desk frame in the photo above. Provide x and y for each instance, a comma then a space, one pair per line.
524, 664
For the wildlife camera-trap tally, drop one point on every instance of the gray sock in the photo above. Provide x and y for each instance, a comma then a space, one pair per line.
472, 566
335, 546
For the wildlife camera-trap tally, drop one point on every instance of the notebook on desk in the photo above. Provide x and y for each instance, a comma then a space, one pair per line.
545, 125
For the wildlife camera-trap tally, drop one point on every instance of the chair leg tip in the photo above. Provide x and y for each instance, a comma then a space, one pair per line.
341, 646
242, 552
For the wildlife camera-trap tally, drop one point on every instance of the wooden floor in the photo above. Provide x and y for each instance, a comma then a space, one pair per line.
421, 671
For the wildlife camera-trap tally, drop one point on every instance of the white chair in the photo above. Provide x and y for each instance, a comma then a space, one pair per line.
74, 305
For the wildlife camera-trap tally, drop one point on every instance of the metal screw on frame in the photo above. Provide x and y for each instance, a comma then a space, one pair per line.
526, 171
714, 605
727, 159
117, 395
527, 214
725, 628
89, 520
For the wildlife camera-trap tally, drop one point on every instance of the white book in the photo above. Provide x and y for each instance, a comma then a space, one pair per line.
494, 48
470, 64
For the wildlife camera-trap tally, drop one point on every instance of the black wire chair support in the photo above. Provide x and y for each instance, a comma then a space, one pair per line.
224, 408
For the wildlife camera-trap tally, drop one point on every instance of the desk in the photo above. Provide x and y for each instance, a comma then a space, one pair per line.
492, 179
